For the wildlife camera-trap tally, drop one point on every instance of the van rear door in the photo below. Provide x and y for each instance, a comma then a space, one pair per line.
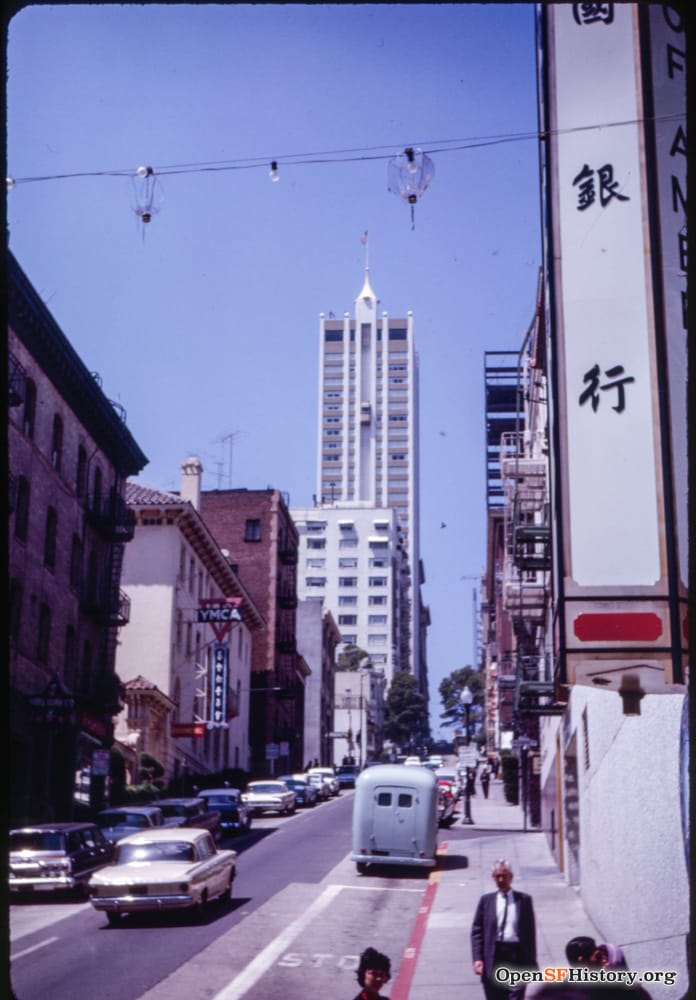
394, 819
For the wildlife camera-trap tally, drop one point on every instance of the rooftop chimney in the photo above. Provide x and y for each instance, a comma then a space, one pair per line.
191, 471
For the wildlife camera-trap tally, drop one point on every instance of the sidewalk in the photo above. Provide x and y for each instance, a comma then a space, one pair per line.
444, 966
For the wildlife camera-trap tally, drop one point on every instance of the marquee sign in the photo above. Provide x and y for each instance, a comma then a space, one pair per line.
612, 202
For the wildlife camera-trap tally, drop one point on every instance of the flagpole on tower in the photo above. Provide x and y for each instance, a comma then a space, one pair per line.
363, 240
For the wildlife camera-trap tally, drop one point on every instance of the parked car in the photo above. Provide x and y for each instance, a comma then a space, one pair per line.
446, 803
346, 775
235, 814
166, 869
321, 784
270, 796
305, 793
117, 823
413, 761
451, 775
190, 812
330, 775
51, 856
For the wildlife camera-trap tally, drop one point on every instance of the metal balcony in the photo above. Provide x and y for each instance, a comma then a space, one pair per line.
112, 517
106, 606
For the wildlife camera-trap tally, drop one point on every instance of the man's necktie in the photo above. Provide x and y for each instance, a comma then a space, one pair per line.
501, 933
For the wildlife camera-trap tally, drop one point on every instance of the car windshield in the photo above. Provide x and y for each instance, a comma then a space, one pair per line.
173, 809
221, 800
166, 850
266, 788
37, 840
122, 819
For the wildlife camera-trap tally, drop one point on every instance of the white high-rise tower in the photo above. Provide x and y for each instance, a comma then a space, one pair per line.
368, 434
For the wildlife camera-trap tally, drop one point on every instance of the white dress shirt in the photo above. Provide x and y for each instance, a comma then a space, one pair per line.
510, 929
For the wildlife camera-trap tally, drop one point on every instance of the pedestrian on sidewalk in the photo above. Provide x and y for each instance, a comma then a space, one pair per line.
374, 971
485, 780
503, 934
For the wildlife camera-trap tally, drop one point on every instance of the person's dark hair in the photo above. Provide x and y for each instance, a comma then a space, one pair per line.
372, 959
580, 949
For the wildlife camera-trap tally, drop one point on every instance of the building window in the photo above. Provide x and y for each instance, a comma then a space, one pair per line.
377, 638
375, 601
316, 581
378, 581
44, 634
86, 666
348, 601
316, 526
347, 543
50, 538
179, 629
81, 476
348, 562
347, 619
29, 417
182, 564
377, 620
252, 530
316, 543
70, 655
75, 574
379, 562
22, 509
347, 581
189, 636
57, 443
348, 638
316, 563
97, 489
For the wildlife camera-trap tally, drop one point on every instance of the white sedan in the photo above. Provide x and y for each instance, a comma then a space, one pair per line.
269, 796
165, 869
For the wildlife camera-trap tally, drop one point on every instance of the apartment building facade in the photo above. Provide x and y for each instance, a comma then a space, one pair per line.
172, 573
256, 528
69, 455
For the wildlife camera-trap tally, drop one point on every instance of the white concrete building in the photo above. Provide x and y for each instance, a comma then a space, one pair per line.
317, 638
368, 441
171, 566
352, 558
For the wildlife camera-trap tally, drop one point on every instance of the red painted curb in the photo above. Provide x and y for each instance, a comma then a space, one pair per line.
402, 984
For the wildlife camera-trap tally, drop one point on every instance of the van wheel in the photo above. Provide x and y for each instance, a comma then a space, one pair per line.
114, 918
362, 867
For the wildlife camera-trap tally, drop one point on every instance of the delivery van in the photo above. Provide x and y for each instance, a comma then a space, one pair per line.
395, 817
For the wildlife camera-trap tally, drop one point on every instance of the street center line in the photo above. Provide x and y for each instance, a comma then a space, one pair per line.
249, 976
34, 947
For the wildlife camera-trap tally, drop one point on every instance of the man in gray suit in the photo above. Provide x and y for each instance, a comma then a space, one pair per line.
503, 934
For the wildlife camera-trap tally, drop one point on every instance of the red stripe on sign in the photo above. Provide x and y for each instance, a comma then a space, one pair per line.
625, 626
402, 984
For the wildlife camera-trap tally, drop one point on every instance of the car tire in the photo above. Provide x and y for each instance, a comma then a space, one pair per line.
114, 918
361, 867
200, 909
226, 897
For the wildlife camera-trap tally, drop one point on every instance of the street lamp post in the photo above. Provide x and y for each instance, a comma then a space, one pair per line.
466, 698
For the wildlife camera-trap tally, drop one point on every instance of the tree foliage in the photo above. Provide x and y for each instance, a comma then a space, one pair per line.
351, 657
406, 720
450, 689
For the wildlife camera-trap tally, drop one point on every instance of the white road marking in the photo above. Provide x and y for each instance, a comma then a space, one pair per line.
249, 976
35, 947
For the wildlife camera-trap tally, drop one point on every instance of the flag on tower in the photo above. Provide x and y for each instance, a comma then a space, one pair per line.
363, 238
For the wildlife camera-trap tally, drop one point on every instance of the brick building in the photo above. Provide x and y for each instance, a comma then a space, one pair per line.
69, 455
256, 528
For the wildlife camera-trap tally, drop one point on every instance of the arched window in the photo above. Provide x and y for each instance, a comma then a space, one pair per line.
81, 477
50, 538
57, 443
29, 417
43, 643
97, 491
75, 562
70, 656
22, 509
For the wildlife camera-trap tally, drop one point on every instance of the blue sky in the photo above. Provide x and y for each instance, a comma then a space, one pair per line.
205, 323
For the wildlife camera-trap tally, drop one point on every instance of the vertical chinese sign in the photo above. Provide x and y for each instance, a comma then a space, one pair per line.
617, 257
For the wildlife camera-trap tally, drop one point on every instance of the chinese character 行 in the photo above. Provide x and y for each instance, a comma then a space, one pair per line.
592, 379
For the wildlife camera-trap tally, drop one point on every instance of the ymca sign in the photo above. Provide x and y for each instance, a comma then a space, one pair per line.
220, 613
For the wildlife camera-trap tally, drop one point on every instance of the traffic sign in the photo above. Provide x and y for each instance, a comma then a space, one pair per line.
272, 751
